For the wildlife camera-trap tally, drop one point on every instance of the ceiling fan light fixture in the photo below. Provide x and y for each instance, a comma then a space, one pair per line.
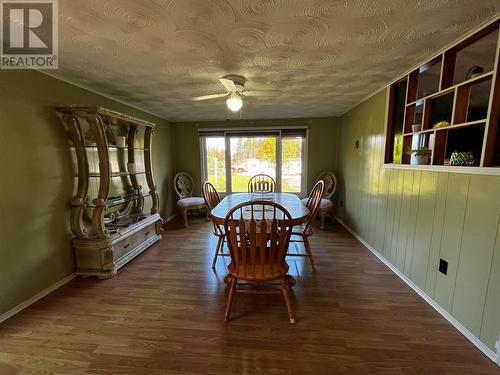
234, 102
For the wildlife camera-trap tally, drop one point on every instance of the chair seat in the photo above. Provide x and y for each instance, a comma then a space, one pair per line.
325, 203
191, 202
300, 230
259, 272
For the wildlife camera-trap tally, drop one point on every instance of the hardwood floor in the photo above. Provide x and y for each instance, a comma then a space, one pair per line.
164, 314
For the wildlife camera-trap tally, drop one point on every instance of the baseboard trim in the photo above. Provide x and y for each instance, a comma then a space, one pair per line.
172, 217
464, 331
35, 298
166, 220
497, 347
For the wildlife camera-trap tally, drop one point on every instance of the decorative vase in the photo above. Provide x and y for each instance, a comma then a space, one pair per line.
462, 158
422, 159
473, 72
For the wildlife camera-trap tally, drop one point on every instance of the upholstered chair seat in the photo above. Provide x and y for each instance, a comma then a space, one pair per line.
324, 204
190, 202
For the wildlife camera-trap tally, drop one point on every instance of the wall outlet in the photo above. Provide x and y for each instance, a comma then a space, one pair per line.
443, 266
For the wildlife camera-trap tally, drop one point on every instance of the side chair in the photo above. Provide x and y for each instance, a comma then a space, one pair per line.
212, 199
258, 235
301, 233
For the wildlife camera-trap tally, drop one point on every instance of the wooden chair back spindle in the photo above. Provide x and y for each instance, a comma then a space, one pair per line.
262, 183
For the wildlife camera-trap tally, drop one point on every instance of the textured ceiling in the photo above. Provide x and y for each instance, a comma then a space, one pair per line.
324, 56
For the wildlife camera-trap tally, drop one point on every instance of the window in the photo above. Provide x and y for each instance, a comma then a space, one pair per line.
230, 159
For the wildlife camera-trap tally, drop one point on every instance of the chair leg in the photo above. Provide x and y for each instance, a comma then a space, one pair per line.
217, 249
185, 216
285, 289
322, 214
308, 251
230, 299
222, 244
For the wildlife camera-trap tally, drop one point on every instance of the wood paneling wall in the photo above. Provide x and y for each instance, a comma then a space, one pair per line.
414, 218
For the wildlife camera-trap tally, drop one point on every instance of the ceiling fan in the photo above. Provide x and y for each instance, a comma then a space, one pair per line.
235, 87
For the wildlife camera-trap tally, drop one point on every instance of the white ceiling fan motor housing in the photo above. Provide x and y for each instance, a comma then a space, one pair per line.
239, 81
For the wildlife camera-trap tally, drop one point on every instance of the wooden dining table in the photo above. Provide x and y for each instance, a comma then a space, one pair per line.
291, 202
298, 211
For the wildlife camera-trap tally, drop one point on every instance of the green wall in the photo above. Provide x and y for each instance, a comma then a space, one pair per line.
37, 184
322, 143
413, 218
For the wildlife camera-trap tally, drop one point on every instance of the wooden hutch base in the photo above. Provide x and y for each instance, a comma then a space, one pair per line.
103, 257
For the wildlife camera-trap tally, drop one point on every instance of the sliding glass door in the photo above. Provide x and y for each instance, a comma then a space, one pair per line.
229, 160
251, 156
292, 167
215, 162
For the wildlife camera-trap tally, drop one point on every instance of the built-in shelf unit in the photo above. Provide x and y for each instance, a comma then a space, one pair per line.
448, 108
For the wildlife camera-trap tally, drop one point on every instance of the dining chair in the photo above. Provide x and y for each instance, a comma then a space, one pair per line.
326, 201
304, 231
258, 246
212, 199
262, 183
183, 186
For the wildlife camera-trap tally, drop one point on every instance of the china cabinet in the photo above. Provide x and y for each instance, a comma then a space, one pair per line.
114, 210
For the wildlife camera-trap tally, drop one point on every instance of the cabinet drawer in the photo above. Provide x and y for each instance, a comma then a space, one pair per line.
127, 244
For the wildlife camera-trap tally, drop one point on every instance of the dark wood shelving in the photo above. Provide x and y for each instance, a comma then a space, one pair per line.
454, 126
461, 87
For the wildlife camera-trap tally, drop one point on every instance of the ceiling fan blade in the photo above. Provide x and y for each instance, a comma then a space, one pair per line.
262, 93
208, 97
228, 84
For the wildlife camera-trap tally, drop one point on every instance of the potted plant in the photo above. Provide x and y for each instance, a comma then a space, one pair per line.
422, 155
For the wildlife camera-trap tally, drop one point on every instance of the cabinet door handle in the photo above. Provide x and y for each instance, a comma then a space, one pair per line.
126, 246
147, 233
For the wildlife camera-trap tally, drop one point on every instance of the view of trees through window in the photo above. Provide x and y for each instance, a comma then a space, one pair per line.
291, 167
215, 160
250, 156
253, 155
